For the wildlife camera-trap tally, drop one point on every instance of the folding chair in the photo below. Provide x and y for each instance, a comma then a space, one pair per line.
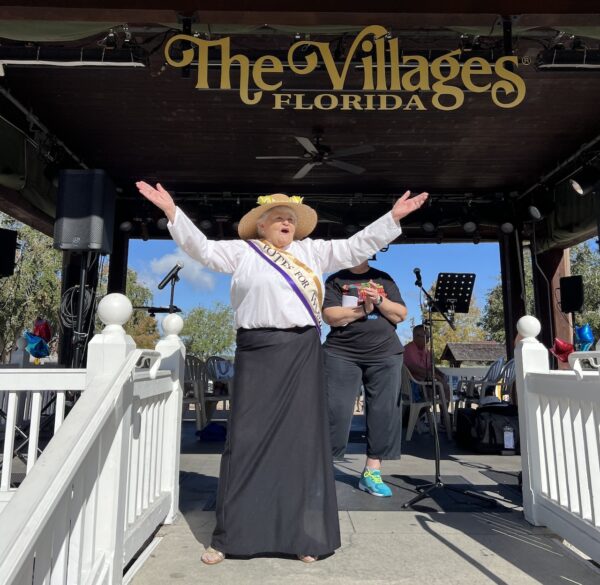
219, 373
413, 397
194, 386
471, 390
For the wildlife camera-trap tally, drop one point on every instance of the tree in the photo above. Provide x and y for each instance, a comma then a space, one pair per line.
34, 288
209, 332
492, 320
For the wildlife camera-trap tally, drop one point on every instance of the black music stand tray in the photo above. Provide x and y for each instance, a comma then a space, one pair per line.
453, 291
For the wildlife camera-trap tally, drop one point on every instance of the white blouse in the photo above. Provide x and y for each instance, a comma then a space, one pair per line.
260, 296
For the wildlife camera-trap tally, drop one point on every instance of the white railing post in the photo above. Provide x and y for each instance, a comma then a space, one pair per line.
172, 350
107, 353
530, 356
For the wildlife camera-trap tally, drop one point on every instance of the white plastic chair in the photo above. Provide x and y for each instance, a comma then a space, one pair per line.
415, 406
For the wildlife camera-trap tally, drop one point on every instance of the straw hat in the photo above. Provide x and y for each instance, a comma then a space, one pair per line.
307, 216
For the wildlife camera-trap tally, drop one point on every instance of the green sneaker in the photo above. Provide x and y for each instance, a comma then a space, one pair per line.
372, 483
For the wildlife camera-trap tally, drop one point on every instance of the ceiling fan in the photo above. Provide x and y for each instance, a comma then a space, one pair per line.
317, 154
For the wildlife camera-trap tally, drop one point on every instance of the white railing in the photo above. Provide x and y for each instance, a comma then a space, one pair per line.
559, 419
24, 394
109, 476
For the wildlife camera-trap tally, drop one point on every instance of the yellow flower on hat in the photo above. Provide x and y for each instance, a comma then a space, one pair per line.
306, 215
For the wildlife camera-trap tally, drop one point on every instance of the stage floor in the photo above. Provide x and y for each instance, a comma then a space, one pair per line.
446, 539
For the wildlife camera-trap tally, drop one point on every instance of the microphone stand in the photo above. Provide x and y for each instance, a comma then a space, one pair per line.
425, 490
174, 281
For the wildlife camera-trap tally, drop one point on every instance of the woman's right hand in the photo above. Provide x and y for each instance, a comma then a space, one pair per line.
160, 197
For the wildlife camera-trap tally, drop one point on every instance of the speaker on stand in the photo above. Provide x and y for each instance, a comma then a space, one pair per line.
83, 229
571, 297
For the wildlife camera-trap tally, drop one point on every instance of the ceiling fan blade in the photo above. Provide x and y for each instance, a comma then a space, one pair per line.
346, 166
353, 150
304, 170
278, 157
307, 144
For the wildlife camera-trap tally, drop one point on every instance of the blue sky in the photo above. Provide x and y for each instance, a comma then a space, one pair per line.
202, 287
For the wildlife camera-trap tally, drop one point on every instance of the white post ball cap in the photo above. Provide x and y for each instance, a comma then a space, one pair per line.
528, 326
172, 324
115, 309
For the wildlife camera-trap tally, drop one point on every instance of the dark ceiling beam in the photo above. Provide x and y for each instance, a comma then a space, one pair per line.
430, 13
424, 7
15, 205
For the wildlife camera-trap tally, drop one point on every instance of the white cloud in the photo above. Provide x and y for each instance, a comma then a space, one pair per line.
192, 272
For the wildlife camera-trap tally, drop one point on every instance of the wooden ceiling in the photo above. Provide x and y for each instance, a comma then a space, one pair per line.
151, 124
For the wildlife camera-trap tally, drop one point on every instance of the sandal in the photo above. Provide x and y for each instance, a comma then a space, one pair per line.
212, 556
307, 558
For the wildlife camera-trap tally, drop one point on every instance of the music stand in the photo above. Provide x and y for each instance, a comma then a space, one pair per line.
453, 293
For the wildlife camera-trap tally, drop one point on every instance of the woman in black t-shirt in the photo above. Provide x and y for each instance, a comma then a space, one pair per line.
363, 306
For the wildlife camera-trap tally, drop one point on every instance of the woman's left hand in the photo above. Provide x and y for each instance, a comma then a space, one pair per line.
407, 204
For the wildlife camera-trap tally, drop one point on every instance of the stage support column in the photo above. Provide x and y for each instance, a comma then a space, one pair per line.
117, 268
553, 265
513, 287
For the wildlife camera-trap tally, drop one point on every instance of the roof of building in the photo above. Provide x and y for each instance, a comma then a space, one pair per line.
482, 351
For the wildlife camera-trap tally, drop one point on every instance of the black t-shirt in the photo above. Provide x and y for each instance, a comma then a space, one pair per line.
372, 336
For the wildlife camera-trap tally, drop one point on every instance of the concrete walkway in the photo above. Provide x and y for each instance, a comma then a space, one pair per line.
447, 539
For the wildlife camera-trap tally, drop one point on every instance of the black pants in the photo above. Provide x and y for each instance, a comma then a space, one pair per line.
276, 487
381, 379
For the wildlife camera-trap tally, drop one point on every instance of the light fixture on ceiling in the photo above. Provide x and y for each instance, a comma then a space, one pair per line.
127, 38
205, 224
534, 213
428, 227
126, 226
469, 227
584, 181
109, 41
568, 59
469, 43
162, 223
507, 227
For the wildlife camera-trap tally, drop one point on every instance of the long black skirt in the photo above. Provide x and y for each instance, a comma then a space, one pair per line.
276, 487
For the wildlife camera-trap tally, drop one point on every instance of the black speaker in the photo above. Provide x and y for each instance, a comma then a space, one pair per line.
8, 250
85, 211
571, 294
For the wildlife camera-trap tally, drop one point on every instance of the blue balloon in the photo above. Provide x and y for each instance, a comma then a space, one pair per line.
36, 346
584, 334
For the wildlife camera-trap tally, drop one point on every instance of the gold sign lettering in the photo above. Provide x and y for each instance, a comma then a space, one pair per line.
390, 79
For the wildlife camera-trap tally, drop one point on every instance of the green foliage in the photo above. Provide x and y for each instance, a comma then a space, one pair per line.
492, 320
209, 331
34, 288
586, 262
